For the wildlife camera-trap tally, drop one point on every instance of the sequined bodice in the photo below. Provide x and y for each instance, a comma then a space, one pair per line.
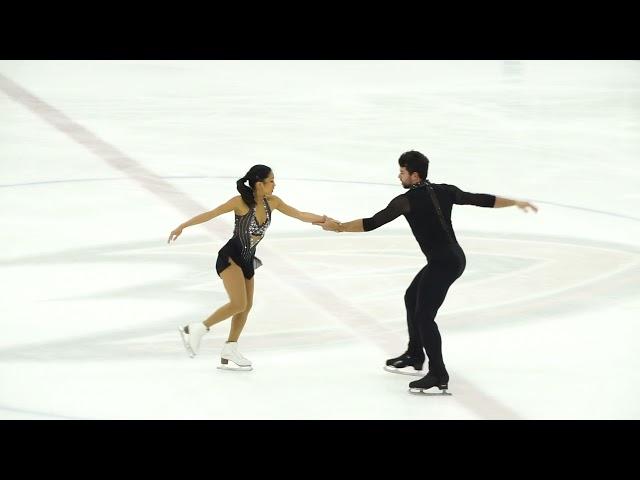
248, 229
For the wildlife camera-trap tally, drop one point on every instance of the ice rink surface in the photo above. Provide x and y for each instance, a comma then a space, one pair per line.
100, 160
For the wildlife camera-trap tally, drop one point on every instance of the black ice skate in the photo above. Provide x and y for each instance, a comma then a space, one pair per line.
400, 364
429, 381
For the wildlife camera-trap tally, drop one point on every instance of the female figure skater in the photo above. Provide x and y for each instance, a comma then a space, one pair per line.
236, 259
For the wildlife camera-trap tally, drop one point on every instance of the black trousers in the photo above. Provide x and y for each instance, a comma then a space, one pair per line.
424, 297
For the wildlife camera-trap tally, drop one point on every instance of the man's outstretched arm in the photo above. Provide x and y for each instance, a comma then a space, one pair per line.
502, 202
461, 197
398, 206
352, 226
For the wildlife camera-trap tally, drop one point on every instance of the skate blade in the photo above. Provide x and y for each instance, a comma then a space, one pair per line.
185, 342
402, 371
235, 368
422, 391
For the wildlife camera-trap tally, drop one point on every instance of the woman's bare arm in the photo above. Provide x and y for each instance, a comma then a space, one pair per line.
226, 207
294, 213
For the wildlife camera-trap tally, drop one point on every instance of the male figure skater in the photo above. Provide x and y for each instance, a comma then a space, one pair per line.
427, 207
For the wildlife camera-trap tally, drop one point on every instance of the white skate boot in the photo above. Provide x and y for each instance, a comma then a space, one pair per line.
191, 335
230, 352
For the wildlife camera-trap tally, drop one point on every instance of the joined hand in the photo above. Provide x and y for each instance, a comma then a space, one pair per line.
328, 223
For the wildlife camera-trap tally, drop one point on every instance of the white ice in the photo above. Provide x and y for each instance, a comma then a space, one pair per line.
107, 157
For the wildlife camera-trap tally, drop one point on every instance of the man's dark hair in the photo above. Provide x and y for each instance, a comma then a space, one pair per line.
414, 161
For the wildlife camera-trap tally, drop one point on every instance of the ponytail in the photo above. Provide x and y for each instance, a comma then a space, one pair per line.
257, 173
246, 192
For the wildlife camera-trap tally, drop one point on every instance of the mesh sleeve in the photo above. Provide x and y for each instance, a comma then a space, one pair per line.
398, 206
461, 197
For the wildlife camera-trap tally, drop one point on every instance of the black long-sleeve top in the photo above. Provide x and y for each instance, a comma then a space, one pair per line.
430, 220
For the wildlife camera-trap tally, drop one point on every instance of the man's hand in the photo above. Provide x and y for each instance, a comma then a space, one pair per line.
525, 205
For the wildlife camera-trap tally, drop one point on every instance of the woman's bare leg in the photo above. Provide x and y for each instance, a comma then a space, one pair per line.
239, 319
234, 284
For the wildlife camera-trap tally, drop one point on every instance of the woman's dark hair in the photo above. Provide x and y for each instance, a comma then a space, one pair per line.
257, 173
415, 162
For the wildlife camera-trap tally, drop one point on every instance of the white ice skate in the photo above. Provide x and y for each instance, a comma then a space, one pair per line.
230, 353
191, 335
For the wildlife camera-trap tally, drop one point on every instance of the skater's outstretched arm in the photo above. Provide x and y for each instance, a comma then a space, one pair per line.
226, 207
292, 212
398, 206
335, 226
509, 202
460, 197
